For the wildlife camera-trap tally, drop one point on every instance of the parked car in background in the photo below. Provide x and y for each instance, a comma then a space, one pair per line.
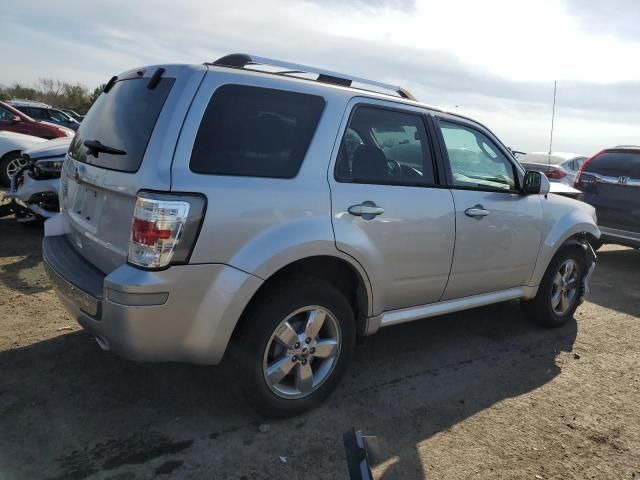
46, 113
13, 120
558, 167
73, 114
610, 181
34, 187
11, 146
344, 210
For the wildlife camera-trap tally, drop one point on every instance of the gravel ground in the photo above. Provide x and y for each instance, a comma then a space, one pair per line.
480, 394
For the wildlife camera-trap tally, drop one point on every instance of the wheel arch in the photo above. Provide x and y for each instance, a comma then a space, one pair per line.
578, 235
347, 276
9, 153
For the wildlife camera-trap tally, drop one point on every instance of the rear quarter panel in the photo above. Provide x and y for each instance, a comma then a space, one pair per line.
260, 225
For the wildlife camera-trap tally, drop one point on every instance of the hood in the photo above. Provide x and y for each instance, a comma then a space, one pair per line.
561, 188
51, 148
17, 141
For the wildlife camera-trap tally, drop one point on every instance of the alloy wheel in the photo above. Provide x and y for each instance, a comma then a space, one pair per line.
302, 352
564, 291
14, 165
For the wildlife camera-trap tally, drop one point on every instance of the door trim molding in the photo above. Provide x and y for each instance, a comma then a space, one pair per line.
394, 317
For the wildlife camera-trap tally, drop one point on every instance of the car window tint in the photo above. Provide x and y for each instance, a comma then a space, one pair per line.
37, 113
475, 160
616, 163
5, 115
123, 118
257, 132
57, 116
386, 147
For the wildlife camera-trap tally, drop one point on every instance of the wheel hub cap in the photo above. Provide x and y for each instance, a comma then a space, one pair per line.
564, 291
302, 352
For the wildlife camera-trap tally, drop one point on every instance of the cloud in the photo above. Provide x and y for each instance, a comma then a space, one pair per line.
456, 53
619, 18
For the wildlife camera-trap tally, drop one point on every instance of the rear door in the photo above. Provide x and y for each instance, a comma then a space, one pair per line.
611, 183
389, 211
498, 229
142, 121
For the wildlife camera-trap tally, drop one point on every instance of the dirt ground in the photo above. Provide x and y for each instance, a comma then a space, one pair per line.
480, 394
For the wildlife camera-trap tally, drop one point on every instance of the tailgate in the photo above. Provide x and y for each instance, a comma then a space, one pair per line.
125, 144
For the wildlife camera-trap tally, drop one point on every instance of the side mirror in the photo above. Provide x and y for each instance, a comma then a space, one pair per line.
16, 119
535, 183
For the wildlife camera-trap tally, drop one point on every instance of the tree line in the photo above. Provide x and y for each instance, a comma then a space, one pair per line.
53, 92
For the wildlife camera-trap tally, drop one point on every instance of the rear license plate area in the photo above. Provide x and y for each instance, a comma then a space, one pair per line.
87, 205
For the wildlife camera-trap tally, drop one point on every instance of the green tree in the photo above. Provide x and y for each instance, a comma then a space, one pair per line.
96, 93
53, 92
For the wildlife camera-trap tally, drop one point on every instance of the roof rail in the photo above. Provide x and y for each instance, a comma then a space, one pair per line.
242, 60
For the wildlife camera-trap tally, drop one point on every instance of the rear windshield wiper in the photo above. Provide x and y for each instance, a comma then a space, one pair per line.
95, 147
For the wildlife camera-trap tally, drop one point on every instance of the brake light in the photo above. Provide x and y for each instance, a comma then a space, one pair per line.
556, 174
146, 232
156, 230
584, 166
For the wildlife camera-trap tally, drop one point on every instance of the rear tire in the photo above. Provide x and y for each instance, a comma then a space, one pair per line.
294, 345
560, 290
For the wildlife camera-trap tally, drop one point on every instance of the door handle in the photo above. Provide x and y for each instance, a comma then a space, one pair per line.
478, 211
367, 210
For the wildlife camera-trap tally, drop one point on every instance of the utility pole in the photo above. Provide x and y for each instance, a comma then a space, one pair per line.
553, 116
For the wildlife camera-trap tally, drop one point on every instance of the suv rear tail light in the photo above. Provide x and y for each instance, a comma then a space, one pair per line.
586, 178
164, 228
556, 173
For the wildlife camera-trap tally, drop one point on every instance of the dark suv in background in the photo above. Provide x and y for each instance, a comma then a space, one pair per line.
610, 181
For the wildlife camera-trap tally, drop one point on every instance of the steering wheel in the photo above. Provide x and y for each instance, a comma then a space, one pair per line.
395, 169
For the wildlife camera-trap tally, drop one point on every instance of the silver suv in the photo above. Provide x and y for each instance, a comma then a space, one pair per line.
275, 212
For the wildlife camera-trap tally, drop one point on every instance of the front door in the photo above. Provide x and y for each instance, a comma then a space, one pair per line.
7, 122
498, 229
389, 212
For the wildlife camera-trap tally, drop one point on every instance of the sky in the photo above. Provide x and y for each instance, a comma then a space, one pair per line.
494, 60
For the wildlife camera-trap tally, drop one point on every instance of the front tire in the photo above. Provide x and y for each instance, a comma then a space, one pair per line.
559, 293
9, 165
294, 345
596, 244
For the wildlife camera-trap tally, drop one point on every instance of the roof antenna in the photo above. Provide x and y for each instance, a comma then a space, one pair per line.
553, 116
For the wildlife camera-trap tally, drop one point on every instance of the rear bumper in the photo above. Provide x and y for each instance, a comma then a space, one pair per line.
184, 313
621, 237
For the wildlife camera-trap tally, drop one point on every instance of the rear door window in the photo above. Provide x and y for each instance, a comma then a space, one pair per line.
124, 119
257, 132
383, 146
616, 163
38, 113
57, 116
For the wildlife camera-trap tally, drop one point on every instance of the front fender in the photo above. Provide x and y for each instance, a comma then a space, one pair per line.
562, 220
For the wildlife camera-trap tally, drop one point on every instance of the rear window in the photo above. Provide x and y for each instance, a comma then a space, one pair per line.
124, 119
257, 132
616, 163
